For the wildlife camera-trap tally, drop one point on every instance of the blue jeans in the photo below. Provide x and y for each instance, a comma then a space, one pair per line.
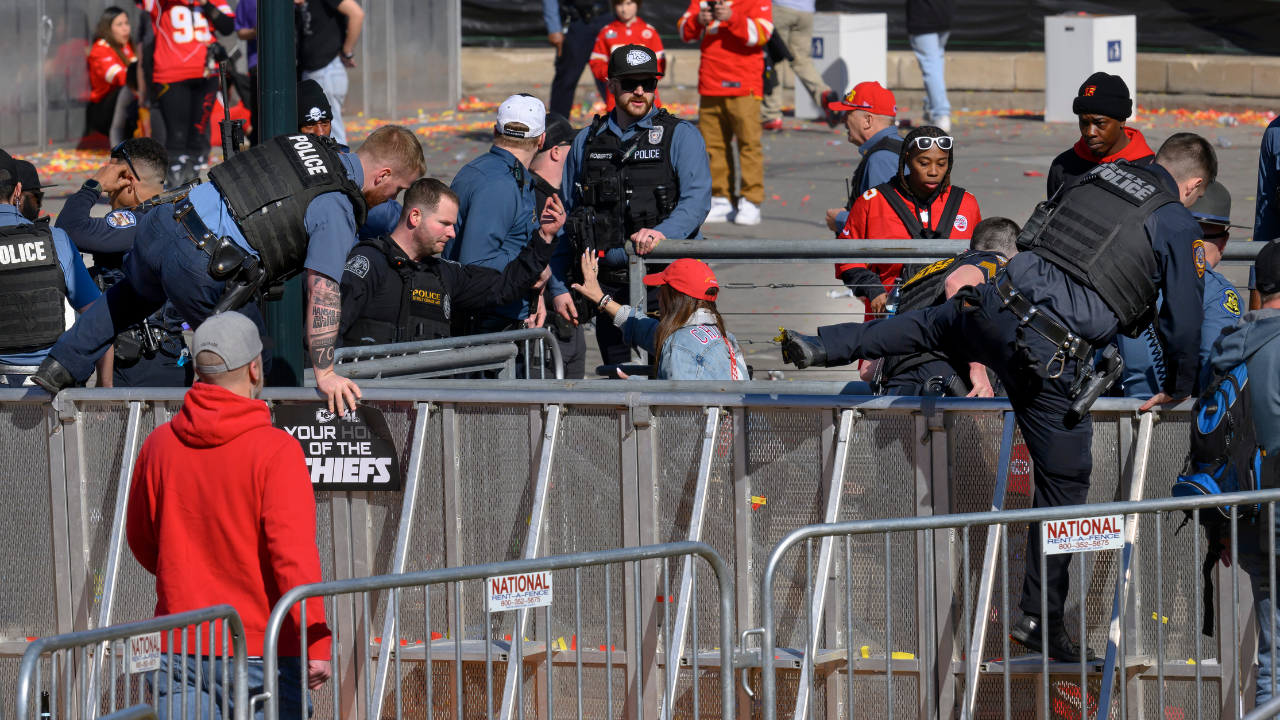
211, 686
333, 80
1256, 567
929, 53
164, 264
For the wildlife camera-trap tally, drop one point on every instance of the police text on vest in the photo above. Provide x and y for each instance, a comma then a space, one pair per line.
22, 252
308, 155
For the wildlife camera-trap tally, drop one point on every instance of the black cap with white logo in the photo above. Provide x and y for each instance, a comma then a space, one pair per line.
313, 104
633, 60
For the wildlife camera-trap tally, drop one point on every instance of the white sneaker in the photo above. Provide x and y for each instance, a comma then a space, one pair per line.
748, 213
721, 209
943, 123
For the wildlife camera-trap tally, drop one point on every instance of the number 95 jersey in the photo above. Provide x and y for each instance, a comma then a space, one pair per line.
182, 36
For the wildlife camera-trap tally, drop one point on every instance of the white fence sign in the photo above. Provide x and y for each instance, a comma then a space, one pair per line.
1083, 535
516, 592
144, 653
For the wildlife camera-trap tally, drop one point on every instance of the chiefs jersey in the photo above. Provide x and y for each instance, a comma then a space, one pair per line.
182, 37
615, 35
872, 218
106, 70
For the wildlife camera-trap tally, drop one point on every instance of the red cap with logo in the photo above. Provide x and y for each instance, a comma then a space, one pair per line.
870, 96
689, 276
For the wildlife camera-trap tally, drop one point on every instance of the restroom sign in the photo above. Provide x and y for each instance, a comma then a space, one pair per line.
1113, 51
1083, 535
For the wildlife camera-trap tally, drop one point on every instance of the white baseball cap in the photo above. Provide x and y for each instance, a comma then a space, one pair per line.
526, 110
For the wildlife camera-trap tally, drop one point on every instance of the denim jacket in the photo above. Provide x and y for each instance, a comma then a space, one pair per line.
694, 352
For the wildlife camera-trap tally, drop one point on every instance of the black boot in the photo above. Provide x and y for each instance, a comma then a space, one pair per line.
1027, 634
52, 376
803, 350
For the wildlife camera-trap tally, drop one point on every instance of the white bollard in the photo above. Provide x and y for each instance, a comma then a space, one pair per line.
1075, 47
847, 49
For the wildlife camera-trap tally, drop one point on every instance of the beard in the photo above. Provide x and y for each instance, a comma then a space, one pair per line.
626, 107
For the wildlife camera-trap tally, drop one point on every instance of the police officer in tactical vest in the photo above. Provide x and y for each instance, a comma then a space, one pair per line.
396, 289
41, 273
1097, 258
636, 174
287, 206
932, 373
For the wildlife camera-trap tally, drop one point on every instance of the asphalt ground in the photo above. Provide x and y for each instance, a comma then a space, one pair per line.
1001, 160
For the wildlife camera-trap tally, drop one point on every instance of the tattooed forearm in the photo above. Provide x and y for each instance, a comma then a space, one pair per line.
324, 306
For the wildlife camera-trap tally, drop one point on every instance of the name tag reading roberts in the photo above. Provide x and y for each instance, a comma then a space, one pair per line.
517, 592
1083, 535
348, 452
144, 653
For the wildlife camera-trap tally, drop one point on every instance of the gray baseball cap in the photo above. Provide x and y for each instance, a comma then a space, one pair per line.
232, 337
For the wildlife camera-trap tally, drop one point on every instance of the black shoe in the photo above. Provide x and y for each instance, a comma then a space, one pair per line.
52, 376
1027, 634
803, 350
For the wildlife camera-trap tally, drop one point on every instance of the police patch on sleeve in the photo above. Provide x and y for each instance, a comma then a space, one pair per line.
358, 265
1231, 302
1197, 250
121, 219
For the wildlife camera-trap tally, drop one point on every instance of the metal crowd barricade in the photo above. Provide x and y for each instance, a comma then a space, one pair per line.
1111, 677
89, 674
642, 648
450, 356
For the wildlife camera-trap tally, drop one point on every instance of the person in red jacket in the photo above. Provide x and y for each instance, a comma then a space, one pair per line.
732, 35
222, 511
628, 29
918, 203
109, 59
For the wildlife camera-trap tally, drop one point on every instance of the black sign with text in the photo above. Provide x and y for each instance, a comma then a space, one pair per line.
348, 452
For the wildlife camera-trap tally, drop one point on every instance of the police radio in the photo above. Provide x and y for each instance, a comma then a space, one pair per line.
232, 130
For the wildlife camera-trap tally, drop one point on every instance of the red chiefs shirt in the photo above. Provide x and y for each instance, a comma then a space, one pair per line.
872, 218
106, 72
615, 35
182, 37
732, 62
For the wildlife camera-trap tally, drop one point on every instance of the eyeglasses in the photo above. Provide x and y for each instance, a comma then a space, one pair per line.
119, 150
647, 85
924, 143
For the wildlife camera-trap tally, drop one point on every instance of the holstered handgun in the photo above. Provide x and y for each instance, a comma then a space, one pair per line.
242, 271
1092, 383
581, 227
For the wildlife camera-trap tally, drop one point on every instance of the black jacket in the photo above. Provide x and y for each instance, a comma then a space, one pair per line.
930, 16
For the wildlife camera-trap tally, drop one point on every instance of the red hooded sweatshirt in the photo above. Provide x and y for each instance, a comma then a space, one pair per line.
222, 511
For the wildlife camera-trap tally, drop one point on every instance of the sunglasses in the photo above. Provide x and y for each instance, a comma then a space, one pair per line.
121, 152
647, 85
924, 143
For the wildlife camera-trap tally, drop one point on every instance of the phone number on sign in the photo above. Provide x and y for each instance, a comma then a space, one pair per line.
516, 603
1085, 544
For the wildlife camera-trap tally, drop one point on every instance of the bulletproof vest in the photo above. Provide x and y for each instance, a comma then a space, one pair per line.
928, 288
32, 316
1096, 235
424, 308
268, 188
892, 143
632, 184
580, 10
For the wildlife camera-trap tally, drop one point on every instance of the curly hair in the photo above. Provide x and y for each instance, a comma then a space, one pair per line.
909, 142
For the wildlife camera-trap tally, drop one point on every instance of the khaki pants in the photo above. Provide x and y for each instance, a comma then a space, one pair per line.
721, 119
796, 30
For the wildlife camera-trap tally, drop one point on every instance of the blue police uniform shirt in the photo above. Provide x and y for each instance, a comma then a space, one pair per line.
688, 156
496, 218
81, 289
1180, 265
1266, 221
330, 221
111, 234
551, 16
881, 165
381, 220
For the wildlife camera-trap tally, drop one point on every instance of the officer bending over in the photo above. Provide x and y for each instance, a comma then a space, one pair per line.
397, 289
151, 353
636, 174
40, 272
287, 206
1080, 284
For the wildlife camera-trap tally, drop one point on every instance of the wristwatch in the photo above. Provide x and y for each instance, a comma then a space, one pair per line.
351, 55
93, 185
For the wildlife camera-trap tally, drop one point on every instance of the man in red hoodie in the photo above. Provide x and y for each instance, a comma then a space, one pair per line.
1103, 105
222, 511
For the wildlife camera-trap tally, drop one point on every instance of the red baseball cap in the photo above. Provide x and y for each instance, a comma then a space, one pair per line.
870, 96
689, 276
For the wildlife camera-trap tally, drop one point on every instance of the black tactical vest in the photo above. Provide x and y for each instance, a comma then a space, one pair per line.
892, 143
424, 308
268, 188
630, 184
1096, 235
32, 316
928, 288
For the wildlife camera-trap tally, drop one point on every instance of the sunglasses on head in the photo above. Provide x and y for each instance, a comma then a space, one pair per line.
121, 152
924, 143
647, 84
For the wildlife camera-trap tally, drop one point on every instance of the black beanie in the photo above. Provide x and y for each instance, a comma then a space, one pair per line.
313, 106
1104, 94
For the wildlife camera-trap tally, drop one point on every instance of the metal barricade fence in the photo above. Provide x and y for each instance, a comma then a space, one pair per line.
90, 675
451, 356
643, 645
1101, 687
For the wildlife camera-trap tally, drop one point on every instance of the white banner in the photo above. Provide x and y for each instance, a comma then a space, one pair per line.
1083, 535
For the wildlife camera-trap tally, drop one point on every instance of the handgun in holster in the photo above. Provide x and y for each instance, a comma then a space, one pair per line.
1092, 383
240, 270
581, 226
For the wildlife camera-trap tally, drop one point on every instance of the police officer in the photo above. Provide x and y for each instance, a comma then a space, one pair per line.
153, 352
932, 373
32, 202
245, 230
40, 272
397, 289
1037, 326
572, 27
637, 174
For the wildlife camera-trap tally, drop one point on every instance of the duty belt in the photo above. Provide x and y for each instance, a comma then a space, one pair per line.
1066, 343
228, 262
